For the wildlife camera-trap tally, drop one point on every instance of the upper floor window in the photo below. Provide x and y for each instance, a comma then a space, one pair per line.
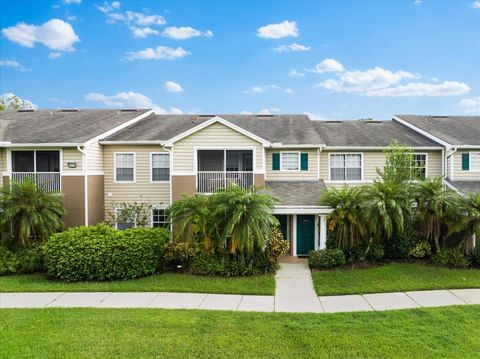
419, 165
124, 167
160, 169
290, 161
474, 161
345, 167
35, 161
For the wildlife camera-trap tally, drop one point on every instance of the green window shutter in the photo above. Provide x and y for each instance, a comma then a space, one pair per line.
276, 161
465, 161
304, 161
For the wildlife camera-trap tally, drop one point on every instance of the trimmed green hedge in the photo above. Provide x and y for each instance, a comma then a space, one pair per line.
103, 253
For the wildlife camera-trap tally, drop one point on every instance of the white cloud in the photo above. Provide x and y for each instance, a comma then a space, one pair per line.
417, 2
8, 98
416, 89
269, 111
71, 17
171, 86
278, 31
184, 33
327, 65
158, 53
476, 4
54, 55
130, 100
55, 34
289, 91
295, 73
471, 105
72, 1
141, 32
106, 7
261, 89
363, 81
14, 64
292, 47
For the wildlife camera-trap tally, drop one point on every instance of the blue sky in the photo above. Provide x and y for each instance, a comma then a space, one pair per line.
331, 59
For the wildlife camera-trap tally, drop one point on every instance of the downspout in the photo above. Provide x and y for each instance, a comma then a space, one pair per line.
85, 174
171, 170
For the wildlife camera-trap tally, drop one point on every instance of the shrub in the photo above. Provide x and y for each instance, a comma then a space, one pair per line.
474, 256
399, 246
103, 253
326, 258
276, 246
232, 265
421, 250
368, 250
179, 254
18, 259
451, 257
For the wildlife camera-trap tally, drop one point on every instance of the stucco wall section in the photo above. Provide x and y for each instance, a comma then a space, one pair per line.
74, 200
96, 200
183, 185
213, 136
142, 190
311, 174
259, 180
458, 174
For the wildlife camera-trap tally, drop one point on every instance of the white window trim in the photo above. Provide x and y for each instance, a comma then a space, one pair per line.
470, 168
345, 181
299, 154
134, 166
9, 154
426, 161
151, 215
116, 222
151, 167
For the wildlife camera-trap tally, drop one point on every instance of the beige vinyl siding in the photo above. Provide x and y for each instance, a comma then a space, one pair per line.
3, 164
376, 159
311, 174
157, 193
71, 154
458, 174
216, 135
94, 157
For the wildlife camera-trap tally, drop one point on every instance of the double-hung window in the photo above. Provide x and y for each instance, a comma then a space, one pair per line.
159, 218
419, 165
160, 167
125, 167
474, 161
290, 161
345, 167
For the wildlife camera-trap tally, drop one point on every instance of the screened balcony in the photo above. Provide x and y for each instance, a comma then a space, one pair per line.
41, 167
219, 168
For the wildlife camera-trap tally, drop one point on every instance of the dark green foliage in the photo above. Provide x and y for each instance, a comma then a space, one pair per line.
326, 258
399, 246
232, 265
103, 253
179, 254
367, 251
16, 259
451, 257
474, 256
420, 250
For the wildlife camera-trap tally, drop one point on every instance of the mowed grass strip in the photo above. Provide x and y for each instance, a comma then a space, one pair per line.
165, 282
393, 277
449, 332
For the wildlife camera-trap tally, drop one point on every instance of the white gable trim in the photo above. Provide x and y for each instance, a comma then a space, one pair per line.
422, 132
222, 121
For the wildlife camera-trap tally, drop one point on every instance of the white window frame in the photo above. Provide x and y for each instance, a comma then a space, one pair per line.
134, 166
426, 161
470, 168
151, 216
116, 221
345, 181
298, 153
151, 167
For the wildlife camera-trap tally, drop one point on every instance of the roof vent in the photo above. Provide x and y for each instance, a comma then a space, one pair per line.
372, 121
333, 121
27, 110
129, 110
439, 116
209, 116
264, 115
70, 110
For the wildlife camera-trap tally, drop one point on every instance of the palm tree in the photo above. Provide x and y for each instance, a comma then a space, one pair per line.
389, 207
431, 199
348, 218
30, 210
243, 216
466, 217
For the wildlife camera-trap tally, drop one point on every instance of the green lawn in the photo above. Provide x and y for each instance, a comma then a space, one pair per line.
450, 332
165, 282
393, 277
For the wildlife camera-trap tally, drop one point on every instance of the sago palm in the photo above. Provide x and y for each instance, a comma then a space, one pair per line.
466, 217
31, 211
348, 218
244, 216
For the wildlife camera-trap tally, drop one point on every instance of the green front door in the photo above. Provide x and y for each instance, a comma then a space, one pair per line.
305, 234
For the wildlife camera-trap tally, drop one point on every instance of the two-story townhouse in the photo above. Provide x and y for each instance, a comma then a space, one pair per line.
460, 138
59, 149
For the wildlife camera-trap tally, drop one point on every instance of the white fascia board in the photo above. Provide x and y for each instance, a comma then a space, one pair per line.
5, 143
368, 148
422, 132
60, 144
213, 120
280, 145
118, 128
451, 186
302, 210
472, 147
140, 142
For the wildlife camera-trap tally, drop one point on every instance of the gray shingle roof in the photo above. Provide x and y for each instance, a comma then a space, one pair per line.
296, 193
55, 126
455, 130
286, 129
466, 186
369, 133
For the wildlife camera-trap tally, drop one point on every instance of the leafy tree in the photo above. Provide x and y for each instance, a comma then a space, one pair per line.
399, 165
139, 212
30, 210
349, 219
13, 103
